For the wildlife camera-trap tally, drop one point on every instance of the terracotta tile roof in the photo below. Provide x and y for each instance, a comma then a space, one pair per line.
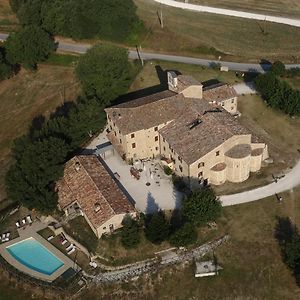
214, 128
219, 92
87, 182
130, 119
184, 81
219, 167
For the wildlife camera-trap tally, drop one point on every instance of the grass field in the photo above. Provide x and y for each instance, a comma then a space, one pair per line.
272, 7
8, 21
26, 96
192, 33
251, 261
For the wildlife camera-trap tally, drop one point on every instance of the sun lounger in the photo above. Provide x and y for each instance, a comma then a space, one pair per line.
23, 221
64, 242
71, 251
29, 220
51, 237
18, 224
3, 237
69, 247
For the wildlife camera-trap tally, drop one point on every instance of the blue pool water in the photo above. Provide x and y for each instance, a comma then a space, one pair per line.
35, 256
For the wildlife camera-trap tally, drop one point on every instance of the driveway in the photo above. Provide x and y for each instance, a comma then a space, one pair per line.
230, 12
290, 181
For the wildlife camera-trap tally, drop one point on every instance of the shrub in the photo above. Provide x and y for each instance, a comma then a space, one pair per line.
278, 68
157, 228
201, 206
186, 235
168, 171
130, 234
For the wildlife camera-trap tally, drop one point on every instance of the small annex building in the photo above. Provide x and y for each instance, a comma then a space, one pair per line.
88, 189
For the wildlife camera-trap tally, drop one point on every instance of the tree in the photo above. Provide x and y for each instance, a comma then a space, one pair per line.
29, 46
201, 206
38, 166
110, 20
130, 235
186, 235
278, 68
157, 227
105, 72
6, 69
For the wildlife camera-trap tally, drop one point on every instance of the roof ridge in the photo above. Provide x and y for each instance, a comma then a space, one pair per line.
77, 156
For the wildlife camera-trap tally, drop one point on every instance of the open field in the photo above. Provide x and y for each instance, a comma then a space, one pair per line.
27, 95
8, 21
191, 33
273, 7
253, 268
153, 72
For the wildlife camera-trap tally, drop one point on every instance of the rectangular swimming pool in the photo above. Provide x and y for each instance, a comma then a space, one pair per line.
35, 256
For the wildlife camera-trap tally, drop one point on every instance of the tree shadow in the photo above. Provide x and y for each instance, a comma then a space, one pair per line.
265, 64
284, 230
162, 86
288, 239
152, 207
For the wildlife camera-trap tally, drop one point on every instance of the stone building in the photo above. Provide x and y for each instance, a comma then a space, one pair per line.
192, 126
88, 189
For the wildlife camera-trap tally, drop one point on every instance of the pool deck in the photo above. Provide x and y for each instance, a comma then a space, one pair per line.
28, 232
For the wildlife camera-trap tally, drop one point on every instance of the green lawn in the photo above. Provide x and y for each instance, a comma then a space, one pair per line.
240, 39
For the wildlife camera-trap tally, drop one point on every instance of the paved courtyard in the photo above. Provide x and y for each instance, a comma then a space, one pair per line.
154, 190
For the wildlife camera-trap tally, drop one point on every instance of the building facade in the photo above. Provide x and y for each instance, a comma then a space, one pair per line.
194, 127
87, 189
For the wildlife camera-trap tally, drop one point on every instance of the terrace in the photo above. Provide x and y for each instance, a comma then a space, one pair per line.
29, 232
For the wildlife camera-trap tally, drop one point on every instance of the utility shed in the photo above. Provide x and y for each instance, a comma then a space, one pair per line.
206, 268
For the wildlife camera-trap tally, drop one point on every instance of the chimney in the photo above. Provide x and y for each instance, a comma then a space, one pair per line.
77, 166
172, 81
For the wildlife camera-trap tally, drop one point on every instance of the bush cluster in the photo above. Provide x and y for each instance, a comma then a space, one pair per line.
200, 207
278, 94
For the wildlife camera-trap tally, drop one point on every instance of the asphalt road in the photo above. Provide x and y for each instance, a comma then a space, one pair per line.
244, 67
231, 12
288, 182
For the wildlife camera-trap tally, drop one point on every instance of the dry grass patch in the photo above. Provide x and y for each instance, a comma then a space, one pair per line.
186, 32
272, 7
27, 95
8, 20
251, 261
149, 75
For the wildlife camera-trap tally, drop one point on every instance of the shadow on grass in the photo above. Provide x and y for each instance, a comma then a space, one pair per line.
288, 238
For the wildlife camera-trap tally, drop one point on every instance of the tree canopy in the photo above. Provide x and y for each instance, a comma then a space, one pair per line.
278, 93
185, 235
157, 227
130, 235
112, 20
201, 206
29, 46
6, 69
40, 155
105, 72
